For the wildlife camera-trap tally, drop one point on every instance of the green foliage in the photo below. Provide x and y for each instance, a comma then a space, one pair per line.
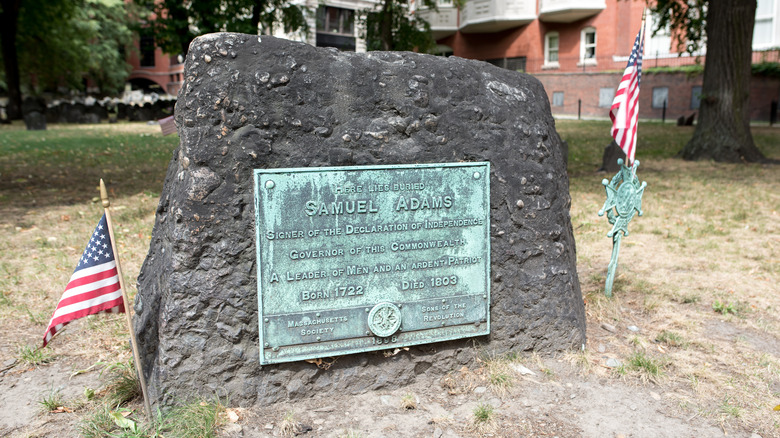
686, 19
639, 361
671, 338
723, 307
392, 27
768, 69
66, 42
198, 419
123, 384
691, 71
33, 356
177, 22
52, 400
483, 413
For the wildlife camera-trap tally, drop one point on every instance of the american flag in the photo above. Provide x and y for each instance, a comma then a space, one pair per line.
625, 107
93, 287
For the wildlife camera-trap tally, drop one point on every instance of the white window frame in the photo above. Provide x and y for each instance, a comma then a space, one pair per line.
584, 46
767, 18
547, 62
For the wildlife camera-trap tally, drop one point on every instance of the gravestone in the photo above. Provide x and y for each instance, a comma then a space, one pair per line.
34, 113
256, 102
612, 152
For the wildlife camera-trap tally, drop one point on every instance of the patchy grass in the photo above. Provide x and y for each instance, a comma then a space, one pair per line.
709, 233
697, 274
52, 401
123, 384
650, 367
33, 356
409, 402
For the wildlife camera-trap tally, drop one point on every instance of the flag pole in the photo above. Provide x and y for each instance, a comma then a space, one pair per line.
133, 341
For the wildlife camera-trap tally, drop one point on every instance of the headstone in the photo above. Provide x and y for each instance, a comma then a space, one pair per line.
74, 112
609, 162
34, 113
89, 118
689, 120
256, 102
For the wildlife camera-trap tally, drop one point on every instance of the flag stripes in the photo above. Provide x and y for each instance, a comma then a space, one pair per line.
94, 286
624, 111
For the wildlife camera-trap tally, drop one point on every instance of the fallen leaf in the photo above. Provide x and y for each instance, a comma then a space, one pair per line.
777, 408
121, 421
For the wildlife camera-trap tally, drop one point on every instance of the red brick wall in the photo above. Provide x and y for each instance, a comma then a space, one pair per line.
585, 87
616, 27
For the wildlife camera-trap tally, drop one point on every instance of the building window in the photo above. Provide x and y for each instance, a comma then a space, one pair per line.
551, 42
147, 50
696, 97
606, 96
557, 98
588, 45
763, 29
336, 28
657, 44
660, 97
514, 64
335, 20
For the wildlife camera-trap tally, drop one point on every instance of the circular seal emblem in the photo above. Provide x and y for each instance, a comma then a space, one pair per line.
384, 319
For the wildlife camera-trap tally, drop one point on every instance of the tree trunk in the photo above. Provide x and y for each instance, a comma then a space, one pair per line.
9, 20
723, 131
386, 25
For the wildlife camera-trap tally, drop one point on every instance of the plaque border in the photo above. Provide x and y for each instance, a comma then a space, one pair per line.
258, 235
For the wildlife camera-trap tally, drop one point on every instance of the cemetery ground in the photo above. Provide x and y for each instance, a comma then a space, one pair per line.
689, 346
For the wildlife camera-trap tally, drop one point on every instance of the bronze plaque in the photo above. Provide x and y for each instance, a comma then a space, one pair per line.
353, 259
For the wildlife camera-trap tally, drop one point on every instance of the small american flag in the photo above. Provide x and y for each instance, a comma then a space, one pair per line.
93, 287
625, 107
167, 125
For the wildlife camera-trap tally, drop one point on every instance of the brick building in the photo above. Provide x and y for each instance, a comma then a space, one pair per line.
576, 48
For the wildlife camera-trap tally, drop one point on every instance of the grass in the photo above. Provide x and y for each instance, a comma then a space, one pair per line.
409, 402
483, 413
646, 365
723, 307
289, 425
707, 227
52, 400
33, 356
123, 384
672, 339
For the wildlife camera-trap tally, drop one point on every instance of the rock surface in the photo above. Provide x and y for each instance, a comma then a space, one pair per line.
259, 102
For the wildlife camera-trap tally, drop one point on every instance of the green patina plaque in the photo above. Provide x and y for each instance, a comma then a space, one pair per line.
353, 259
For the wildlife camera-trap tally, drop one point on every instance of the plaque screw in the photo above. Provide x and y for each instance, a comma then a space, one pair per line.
484, 297
318, 315
368, 333
318, 338
276, 348
443, 301
270, 184
267, 345
476, 323
266, 320
367, 310
442, 324
476, 175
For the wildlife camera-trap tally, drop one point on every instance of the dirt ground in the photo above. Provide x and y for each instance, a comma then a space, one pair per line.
688, 347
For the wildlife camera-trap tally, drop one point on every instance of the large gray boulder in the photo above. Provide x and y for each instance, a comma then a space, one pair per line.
259, 102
